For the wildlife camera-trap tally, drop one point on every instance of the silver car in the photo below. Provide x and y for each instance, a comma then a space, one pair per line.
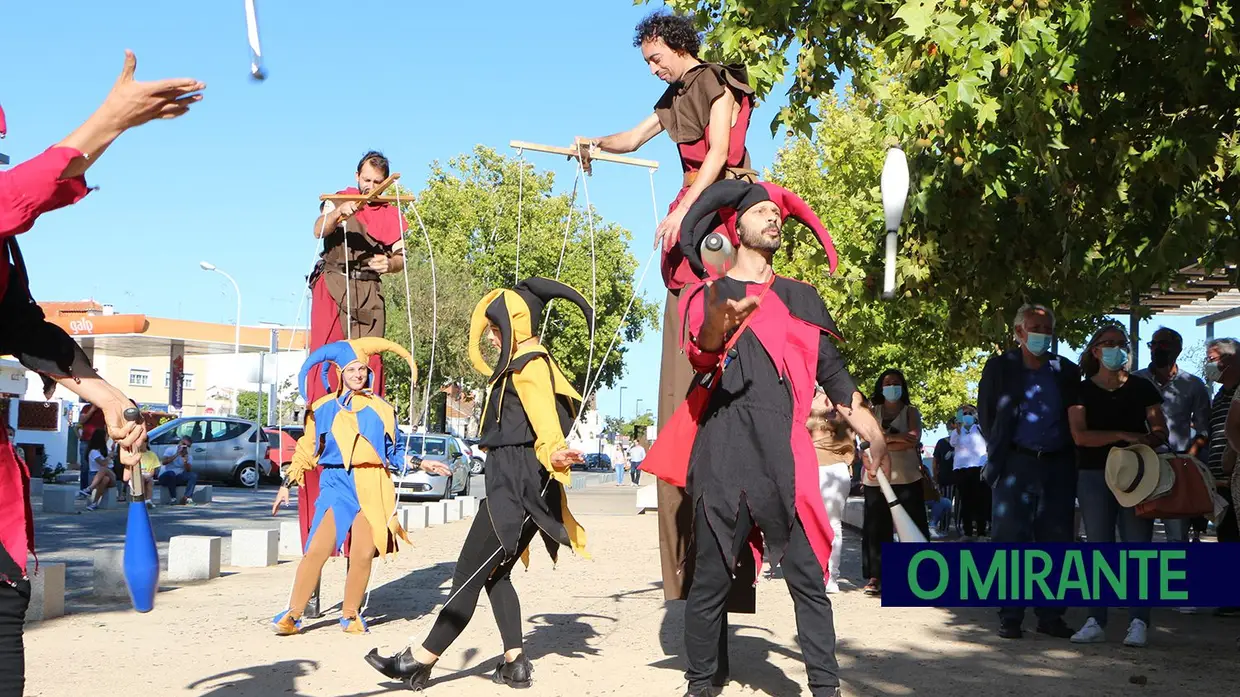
442, 448
223, 449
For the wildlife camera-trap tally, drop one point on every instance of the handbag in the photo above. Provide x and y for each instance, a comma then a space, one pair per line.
1189, 496
668, 457
929, 489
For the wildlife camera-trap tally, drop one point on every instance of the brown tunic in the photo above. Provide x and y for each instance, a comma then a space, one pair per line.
359, 294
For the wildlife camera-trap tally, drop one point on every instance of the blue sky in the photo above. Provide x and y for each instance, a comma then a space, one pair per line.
236, 181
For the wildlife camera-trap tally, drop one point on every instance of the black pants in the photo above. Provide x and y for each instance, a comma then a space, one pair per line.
704, 608
482, 564
636, 473
1227, 530
877, 526
1034, 500
13, 603
974, 500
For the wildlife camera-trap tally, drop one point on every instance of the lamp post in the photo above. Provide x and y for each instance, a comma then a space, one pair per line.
208, 266
894, 186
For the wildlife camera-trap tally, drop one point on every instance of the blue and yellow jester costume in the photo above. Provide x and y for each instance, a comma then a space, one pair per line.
352, 437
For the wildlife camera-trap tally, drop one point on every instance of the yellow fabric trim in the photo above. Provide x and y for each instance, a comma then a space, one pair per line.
377, 496
304, 456
478, 323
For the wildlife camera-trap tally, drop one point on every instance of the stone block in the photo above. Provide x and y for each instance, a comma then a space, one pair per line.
414, 517
647, 498
204, 494
469, 506
436, 512
108, 501
290, 538
36, 486
47, 593
109, 573
59, 499
162, 497
255, 547
194, 558
854, 512
452, 510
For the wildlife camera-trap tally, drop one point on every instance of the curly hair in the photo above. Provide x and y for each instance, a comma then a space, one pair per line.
677, 32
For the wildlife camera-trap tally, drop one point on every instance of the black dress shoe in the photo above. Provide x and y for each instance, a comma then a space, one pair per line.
517, 674
1056, 628
701, 692
401, 667
1010, 631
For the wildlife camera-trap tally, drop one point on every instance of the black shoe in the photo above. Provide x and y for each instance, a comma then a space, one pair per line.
721, 679
1010, 630
1056, 628
701, 692
401, 667
516, 674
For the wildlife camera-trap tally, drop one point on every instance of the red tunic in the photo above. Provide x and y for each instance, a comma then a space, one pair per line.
27, 191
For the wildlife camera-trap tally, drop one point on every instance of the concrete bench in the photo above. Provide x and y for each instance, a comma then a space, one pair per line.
204, 494
108, 501
36, 486
59, 499
47, 593
255, 547
436, 512
109, 573
854, 512
452, 510
647, 498
194, 558
469, 506
414, 517
290, 538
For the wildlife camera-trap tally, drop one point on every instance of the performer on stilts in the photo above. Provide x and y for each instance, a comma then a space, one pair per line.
706, 111
750, 468
360, 244
351, 438
529, 411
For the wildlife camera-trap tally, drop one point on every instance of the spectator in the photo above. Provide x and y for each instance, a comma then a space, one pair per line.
901, 423
618, 463
636, 455
178, 471
968, 464
942, 459
1022, 409
1185, 406
90, 420
834, 444
1115, 410
102, 476
1223, 367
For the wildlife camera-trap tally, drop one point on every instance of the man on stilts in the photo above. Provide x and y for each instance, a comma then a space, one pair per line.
360, 244
762, 344
529, 412
706, 111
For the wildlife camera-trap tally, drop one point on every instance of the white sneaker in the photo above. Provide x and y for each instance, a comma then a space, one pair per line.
1136, 633
833, 586
1092, 633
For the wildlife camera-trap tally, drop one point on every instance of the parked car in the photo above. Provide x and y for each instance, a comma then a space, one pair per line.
282, 443
477, 455
224, 449
594, 462
442, 448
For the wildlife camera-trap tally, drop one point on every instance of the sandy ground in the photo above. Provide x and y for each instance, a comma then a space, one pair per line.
597, 627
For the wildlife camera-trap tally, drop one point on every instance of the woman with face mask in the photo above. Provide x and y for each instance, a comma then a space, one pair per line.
967, 462
1116, 409
902, 425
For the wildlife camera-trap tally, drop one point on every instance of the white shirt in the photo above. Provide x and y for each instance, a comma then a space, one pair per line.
93, 458
637, 453
177, 466
970, 448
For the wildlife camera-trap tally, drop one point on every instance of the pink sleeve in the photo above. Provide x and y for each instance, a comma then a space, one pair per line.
693, 311
34, 187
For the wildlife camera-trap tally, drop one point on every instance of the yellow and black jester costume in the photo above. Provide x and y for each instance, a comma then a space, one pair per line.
352, 437
530, 409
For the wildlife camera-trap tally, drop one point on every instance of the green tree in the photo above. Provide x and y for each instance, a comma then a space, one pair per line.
1061, 151
253, 405
470, 209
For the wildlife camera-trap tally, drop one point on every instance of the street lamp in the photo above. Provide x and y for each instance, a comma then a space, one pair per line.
208, 266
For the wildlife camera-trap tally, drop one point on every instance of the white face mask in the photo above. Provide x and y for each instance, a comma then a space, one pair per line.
1213, 372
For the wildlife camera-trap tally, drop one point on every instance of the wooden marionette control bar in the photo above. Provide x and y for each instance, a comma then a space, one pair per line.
375, 195
596, 155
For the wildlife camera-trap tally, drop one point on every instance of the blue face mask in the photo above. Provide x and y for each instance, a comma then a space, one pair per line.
892, 393
1038, 344
1114, 357
968, 420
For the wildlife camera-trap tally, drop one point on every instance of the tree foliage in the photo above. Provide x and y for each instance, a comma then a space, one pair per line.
470, 211
1068, 152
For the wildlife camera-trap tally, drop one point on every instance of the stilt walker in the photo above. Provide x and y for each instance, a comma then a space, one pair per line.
352, 440
705, 110
363, 238
530, 408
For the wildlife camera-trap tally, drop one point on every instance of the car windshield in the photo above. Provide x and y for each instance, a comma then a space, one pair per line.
434, 446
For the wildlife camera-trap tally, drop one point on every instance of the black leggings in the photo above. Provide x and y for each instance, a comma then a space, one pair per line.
482, 564
13, 603
974, 500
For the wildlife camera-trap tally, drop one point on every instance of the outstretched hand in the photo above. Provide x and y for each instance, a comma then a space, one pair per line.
668, 232
584, 146
436, 468
723, 316
281, 499
132, 103
564, 459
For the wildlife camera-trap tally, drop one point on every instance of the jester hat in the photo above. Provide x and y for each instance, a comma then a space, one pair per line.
724, 202
343, 353
518, 314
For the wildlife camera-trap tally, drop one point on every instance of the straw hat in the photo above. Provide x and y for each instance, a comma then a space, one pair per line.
1136, 473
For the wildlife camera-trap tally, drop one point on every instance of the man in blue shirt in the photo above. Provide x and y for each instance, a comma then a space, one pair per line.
1023, 401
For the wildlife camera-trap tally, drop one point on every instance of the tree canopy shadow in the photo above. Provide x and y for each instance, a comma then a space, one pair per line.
278, 678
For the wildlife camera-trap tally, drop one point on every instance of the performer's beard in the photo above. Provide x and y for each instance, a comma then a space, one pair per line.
760, 241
